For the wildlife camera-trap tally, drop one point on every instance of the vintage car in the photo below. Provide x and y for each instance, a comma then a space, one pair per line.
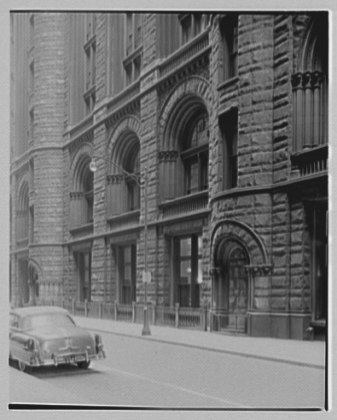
49, 336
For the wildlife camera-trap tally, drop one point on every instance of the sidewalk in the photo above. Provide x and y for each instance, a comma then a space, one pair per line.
303, 353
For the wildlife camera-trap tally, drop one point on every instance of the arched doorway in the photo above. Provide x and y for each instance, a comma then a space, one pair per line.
231, 287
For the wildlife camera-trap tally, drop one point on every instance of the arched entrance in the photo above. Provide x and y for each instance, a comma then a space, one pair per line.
231, 287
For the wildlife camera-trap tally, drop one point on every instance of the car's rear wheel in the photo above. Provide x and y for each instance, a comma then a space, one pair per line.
84, 364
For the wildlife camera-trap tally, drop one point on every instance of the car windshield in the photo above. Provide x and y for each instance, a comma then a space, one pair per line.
47, 320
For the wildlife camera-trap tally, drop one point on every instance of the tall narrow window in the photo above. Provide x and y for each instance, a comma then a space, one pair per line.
229, 131
88, 185
138, 29
132, 167
191, 25
195, 155
186, 27
31, 30
229, 57
319, 244
189, 270
90, 62
133, 51
83, 260
129, 33
310, 83
127, 273
22, 215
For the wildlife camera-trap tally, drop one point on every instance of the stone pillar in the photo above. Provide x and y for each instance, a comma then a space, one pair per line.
167, 174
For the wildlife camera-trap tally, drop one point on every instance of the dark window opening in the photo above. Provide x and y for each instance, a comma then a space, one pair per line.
229, 132
188, 269
127, 273
229, 35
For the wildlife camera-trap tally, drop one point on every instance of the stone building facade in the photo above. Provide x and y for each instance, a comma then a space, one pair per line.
190, 146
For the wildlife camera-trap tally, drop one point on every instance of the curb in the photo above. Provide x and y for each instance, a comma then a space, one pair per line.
196, 346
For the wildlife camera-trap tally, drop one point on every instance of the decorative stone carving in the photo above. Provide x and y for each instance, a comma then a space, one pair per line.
76, 195
259, 269
167, 156
115, 179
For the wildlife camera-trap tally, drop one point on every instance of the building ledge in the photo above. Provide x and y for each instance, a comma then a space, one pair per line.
130, 216
82, 229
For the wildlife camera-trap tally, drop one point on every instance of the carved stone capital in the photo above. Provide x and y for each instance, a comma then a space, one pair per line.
259, 269
115, 179
296, 80
168, 156
316, 79
76, 195
306, 79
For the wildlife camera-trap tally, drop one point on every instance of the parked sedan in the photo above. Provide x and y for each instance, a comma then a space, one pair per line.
49, 336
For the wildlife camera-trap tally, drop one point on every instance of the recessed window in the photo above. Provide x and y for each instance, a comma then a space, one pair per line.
191, 25
133, 185
317, 218
310, 90
229, 131
90, 63
195, 155
229, 47
88, 185
83, 262
188, 252
126, 267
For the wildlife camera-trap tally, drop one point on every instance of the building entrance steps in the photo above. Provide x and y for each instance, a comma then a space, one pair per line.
303, 353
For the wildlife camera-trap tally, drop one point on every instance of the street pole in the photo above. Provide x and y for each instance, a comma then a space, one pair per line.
146, 275
146, 327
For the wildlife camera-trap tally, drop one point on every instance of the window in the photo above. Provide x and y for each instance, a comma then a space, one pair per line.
192, 24
22, 214
310, 83
132, 167
138, 30
133, 51
31, 123
31, 77
90, 25
31, 30
188, 253
90, 62
129, 33
133, 188
195, 156
317, 214
88, 185
229, 56
186, 28
229, 132
127, 273
83, 260
31, 224
137, 64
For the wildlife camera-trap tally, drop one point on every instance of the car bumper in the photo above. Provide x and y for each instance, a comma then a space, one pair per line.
67, 359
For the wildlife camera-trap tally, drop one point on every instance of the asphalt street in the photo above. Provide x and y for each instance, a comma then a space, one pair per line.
140, 373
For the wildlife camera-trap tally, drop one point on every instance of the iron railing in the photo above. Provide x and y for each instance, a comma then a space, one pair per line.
203, 318
222, 320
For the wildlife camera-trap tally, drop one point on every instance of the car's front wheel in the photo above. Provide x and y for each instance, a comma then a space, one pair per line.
84, 364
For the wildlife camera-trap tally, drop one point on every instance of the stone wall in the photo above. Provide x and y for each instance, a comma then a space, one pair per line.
48, 154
